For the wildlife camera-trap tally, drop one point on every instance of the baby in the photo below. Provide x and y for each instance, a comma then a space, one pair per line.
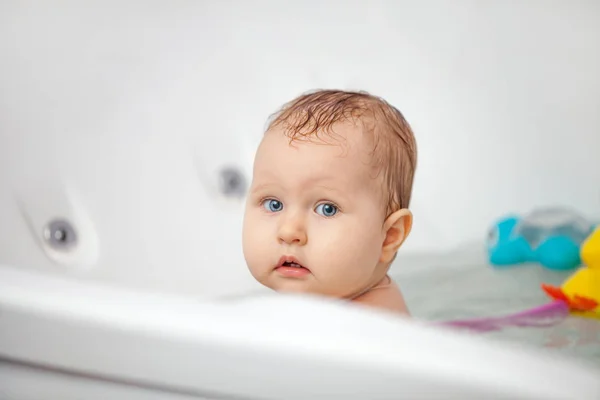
327, 207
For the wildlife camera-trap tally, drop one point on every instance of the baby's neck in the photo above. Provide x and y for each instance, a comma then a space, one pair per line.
385, 294
385, 281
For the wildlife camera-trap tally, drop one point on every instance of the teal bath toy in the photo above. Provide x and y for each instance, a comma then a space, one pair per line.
551, 237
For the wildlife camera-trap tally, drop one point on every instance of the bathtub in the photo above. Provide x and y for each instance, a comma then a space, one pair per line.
127, 134
122, 277
65, 339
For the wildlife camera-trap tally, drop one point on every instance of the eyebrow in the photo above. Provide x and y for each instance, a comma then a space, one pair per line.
323, 182
312, 183
330, 188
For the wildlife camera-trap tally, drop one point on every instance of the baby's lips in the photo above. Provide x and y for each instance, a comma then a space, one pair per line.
289, 259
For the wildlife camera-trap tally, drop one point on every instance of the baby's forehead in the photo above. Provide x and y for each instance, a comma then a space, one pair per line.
344, 159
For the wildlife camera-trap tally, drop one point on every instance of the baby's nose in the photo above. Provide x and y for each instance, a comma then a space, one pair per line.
292, 231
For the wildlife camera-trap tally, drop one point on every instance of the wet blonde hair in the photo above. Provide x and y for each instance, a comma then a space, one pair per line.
394, 152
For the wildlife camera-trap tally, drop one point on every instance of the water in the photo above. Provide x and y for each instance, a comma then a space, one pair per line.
472, 289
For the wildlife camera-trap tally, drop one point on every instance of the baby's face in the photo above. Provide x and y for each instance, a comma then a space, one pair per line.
319, 206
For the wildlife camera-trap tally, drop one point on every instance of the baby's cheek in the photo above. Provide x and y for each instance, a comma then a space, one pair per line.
367, 244
257, 243
353, 253
250, 239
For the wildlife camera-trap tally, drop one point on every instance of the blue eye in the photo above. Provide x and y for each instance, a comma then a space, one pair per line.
326, 209
272, 205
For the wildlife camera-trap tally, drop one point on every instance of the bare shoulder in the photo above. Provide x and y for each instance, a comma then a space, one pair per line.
386, 295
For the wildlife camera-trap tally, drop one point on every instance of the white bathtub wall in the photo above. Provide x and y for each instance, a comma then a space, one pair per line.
136, 105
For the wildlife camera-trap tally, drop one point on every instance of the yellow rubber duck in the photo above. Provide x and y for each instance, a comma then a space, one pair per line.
582, 290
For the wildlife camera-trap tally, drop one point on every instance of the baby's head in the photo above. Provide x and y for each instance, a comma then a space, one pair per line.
331, 186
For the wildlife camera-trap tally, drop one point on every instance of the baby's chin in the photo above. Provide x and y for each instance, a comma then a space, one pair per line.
310, 287
283, 285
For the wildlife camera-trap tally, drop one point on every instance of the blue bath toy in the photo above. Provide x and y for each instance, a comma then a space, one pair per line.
551, 237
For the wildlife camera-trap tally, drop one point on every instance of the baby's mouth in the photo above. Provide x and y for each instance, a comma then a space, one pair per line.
290, 265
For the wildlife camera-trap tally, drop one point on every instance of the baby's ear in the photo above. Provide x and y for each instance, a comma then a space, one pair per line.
396, 228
